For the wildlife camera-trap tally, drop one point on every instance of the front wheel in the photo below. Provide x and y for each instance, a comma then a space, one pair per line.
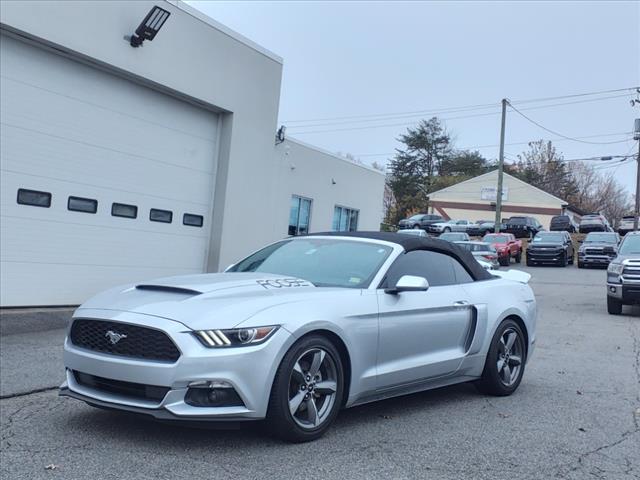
564, 260
505, 261
614, 306
416, 227
504, 366
307, 391
519, 257
446, 230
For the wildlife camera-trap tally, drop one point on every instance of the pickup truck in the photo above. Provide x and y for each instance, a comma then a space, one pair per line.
623, 275
506, 245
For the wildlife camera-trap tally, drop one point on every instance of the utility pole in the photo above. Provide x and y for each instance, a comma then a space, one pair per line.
636, 136
501, 171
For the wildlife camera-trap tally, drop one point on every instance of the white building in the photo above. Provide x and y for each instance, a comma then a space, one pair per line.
475, 199
120, 164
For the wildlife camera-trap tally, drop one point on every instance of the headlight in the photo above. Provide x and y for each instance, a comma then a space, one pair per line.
615, 268
235, 337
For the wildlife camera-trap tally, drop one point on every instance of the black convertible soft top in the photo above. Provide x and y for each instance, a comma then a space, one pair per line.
413, 242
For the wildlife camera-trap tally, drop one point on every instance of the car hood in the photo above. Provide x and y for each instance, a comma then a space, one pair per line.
217, 300
622, 258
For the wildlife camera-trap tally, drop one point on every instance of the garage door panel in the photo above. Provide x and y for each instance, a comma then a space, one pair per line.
71, 130
38, 284
32, 154
39, 69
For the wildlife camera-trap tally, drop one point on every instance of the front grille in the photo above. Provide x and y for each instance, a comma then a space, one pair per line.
631, 271
134, 341
594, 251
126, 389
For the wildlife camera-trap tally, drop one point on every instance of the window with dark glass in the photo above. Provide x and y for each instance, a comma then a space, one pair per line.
192, 220
34, 198
164, 216
124, 210
345, 219
299, 215
439, 269
85, 205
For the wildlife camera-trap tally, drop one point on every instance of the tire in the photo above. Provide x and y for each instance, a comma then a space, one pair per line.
518, 257
530, 263
614, 306
504, 380
580, 264
416, 226
572, 259
563, 260
505, 261
446, 230
299, 426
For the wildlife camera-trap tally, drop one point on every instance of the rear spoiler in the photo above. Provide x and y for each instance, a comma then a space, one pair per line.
514, 275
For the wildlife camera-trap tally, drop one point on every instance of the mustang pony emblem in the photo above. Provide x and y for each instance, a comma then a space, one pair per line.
114, 337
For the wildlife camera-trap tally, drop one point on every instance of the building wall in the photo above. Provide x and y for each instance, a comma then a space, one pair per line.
465, 201
328, 180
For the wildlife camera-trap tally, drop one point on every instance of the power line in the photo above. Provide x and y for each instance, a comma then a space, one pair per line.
554, 132
407, 116
509, 144
460, 108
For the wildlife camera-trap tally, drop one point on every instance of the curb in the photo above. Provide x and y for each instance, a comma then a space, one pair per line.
14, 321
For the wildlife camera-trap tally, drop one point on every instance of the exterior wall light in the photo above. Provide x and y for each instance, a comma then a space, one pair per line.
280, 135
150, 26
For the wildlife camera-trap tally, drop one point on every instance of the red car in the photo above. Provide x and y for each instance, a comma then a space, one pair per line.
506, 245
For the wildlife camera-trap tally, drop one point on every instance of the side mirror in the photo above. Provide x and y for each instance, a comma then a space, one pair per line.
229, 267
409, 283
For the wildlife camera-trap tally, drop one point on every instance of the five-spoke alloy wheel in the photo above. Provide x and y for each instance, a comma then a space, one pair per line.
505, 361
307, 391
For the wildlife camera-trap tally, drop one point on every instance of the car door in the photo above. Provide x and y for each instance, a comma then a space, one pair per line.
423, 334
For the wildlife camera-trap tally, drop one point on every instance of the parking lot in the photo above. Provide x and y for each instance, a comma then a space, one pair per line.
575, 416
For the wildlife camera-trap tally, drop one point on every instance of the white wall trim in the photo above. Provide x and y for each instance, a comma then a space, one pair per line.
194, 12
331, 154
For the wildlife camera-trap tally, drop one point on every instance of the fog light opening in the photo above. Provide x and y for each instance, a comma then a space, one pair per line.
612, 289
212, 393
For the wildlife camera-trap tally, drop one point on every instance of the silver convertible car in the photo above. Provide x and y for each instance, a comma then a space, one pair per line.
300, 329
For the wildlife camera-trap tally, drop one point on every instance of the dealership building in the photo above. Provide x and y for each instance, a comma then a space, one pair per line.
121, 163
475, 199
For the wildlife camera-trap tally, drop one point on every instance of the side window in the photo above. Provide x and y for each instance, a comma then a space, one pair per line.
79, 204
462, 276
34, 198
124, 210
437, 268
164, 216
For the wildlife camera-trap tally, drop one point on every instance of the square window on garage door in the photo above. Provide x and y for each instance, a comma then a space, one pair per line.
164, 216
124, 210
79, 204
34, 198
192, 220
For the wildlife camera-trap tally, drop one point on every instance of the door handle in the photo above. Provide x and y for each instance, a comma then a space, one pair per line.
461, 303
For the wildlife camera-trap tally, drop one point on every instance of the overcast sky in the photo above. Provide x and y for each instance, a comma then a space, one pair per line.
345, 59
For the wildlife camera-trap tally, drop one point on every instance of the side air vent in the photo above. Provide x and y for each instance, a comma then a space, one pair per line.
168, 289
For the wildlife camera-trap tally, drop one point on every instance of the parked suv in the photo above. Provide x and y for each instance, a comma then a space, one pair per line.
422, 220
623, 275
551, 247
626, 225
449, 226
598, 249
523, 227
564, 223
594, 222
483, 227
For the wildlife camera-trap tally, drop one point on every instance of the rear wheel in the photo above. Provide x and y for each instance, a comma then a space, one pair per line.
504, 366
614, 306
518, 257
307, 391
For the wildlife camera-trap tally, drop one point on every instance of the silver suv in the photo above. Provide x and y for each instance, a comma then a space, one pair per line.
623, 275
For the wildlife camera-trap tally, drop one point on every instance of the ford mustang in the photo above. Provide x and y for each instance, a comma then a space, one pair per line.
300, 329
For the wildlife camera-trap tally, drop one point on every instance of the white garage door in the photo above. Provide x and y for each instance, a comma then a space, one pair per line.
75, 139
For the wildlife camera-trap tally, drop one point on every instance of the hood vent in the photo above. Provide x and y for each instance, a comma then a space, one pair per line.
168, 289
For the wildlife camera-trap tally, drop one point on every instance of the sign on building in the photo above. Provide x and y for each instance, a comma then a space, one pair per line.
489, 193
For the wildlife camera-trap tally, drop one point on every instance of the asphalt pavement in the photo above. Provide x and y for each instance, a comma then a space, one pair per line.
576, 415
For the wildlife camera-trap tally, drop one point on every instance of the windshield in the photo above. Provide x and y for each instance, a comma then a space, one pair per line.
549, 237
323, 262
494, 238
477, 247
518, 220
630, 245
601, 238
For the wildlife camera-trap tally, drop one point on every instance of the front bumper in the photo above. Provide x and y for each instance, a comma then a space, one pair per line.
551, 256
595, 260
628, 294
249, 370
